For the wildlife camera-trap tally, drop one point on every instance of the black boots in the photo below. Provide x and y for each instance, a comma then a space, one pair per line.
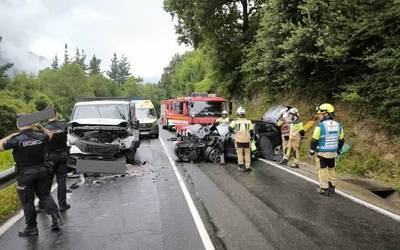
33, 231
284, 162
29, 231
248, 170
331, 188
57, 223
241, 168
63, 208
323, 191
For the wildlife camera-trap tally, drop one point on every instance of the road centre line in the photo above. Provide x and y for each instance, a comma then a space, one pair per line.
344, 194
208, 245
14, 219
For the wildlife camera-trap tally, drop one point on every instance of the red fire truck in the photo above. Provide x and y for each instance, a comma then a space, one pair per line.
195, 109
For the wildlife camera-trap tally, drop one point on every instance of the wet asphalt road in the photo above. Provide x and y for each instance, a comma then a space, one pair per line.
267, 209
145, 210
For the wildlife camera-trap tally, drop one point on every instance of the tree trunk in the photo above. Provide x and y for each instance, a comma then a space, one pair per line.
245, 16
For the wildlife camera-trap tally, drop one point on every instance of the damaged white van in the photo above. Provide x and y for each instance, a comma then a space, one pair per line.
104, 129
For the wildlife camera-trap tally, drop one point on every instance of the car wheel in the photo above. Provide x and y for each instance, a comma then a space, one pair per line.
214, 156
156, 135
266, 148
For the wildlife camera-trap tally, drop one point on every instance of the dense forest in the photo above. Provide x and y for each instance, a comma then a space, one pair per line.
345, 51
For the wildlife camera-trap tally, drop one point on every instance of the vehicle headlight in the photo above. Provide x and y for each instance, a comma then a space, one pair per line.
71, 139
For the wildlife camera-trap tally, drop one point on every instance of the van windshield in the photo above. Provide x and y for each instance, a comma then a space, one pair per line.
206, 108
145, 113
108, 111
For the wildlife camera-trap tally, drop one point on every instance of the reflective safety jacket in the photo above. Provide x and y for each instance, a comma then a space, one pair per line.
242, 128
284, 124
329, 136
222, 120
242, 125
296, 130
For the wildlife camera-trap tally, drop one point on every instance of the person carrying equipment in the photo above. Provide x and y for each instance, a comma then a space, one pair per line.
223, 119
29, 155
57, 157
243, 130
296, 134
327, 142
284, 125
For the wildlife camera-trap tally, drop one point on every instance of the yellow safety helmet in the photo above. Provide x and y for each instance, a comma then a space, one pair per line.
326, 107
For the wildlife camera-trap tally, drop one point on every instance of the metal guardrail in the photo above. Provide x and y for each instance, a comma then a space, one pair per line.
7, 177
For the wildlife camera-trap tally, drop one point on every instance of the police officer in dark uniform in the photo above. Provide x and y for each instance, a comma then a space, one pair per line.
57, 156
29, 154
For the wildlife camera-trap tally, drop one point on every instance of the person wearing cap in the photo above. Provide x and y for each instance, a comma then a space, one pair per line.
327, 142
28, 147
243, 130
223, 119
296, 134
57, 157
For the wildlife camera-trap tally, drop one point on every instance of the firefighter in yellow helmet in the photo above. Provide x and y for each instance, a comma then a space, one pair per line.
296, 134
327, 142
223, 119
243, 130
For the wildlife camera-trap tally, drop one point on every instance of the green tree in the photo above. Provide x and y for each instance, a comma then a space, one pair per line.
64, 86
66, 56
54, 64
3, 71
113, 73
94, 65
124, 68
165, 82
226, 28
103, 87
80, 58
193, 73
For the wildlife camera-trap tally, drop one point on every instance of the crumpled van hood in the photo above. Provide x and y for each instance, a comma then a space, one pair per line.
99, 121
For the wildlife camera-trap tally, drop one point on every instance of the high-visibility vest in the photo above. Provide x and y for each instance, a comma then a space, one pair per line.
242, 128
330, 134
242, 125
222, 120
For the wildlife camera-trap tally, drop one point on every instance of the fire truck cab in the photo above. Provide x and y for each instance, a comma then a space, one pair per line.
196, 109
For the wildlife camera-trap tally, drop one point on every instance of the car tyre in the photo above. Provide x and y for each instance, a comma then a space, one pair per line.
266, 148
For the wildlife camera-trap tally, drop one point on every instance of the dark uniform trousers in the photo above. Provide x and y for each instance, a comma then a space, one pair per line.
58, 167
31, 181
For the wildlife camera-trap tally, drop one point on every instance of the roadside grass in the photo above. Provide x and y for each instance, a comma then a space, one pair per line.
9, 202
6, 160
374, 152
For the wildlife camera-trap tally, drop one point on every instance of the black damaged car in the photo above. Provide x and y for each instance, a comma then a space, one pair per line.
206, 143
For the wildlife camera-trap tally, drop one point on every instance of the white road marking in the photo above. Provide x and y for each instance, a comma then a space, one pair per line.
344, 194
10, 222
208, 245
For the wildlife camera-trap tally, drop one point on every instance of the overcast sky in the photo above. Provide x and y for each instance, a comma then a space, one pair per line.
139, 29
